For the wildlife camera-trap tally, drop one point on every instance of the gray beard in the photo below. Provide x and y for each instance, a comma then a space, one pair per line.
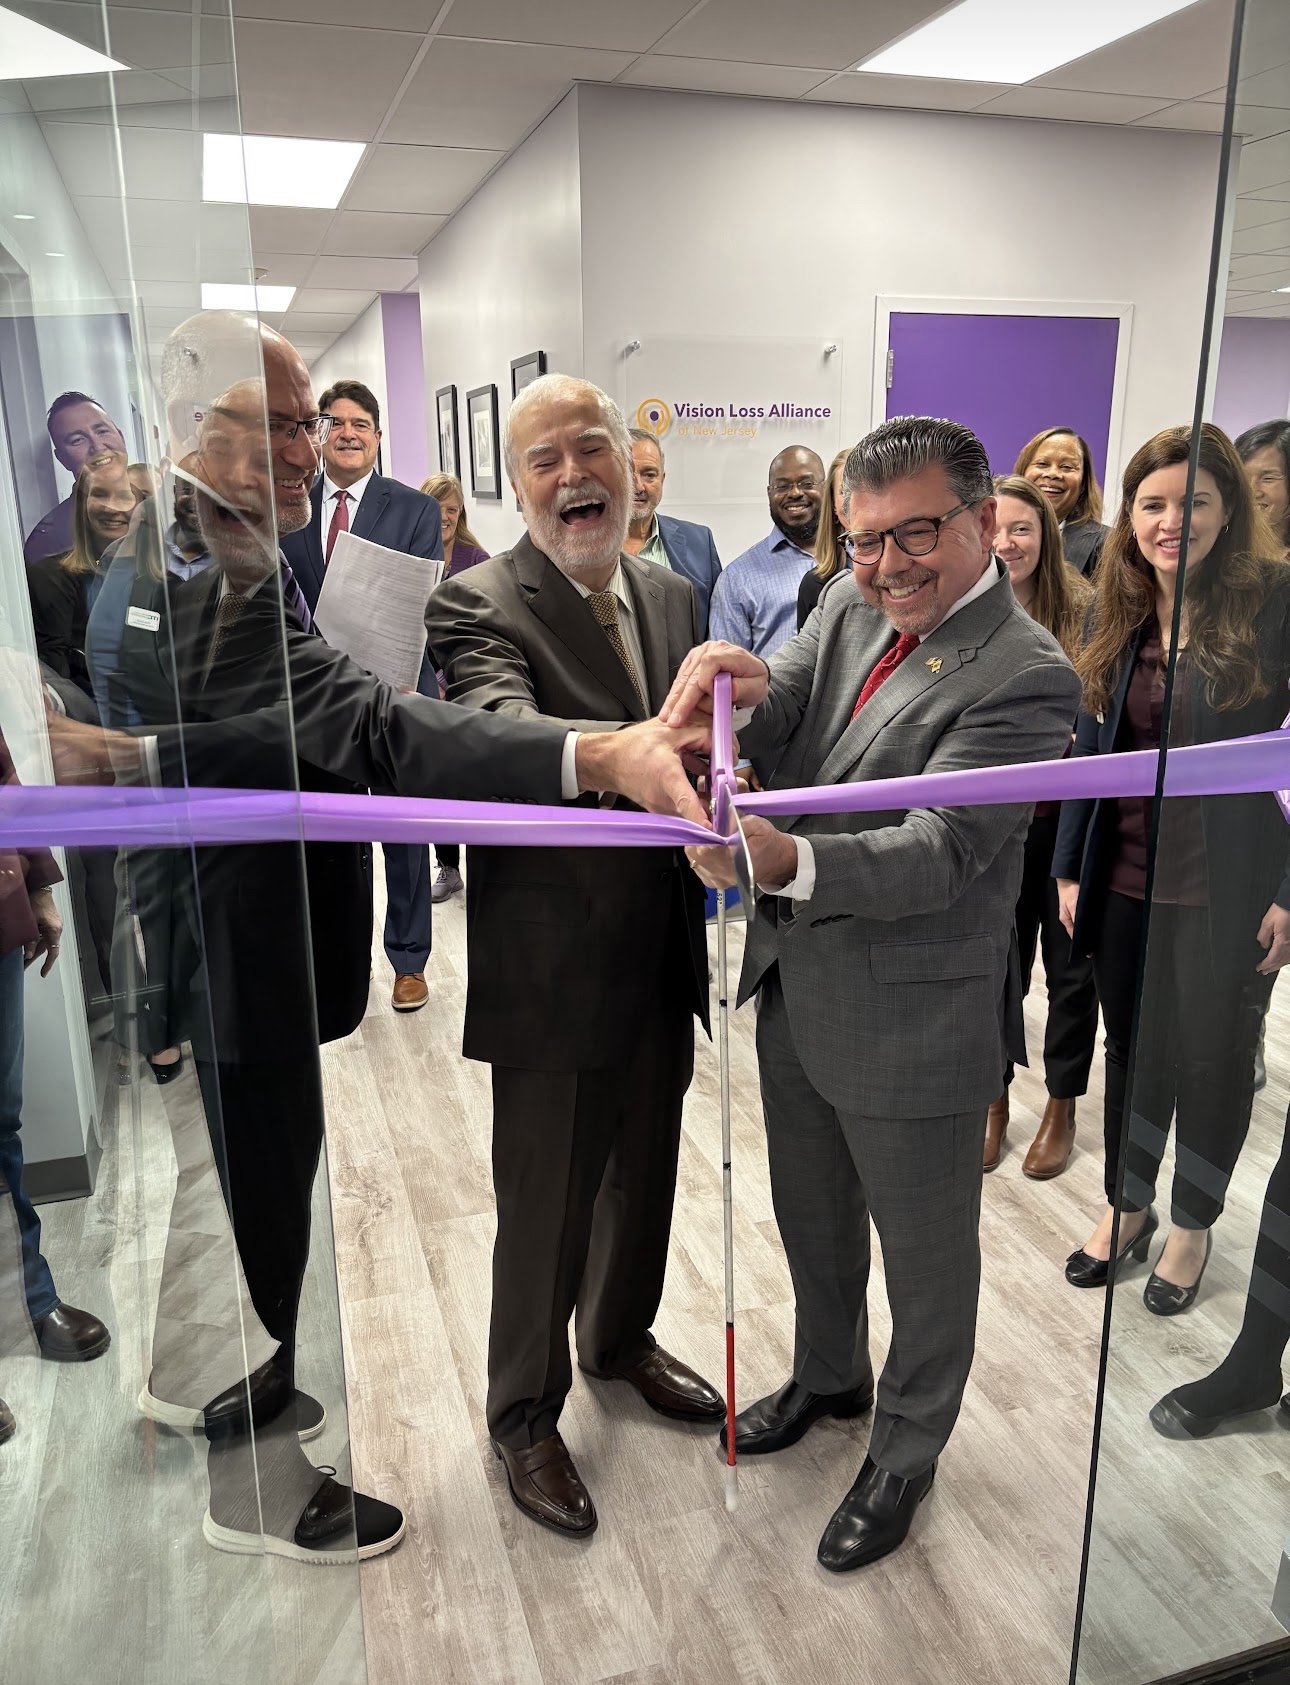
558, 543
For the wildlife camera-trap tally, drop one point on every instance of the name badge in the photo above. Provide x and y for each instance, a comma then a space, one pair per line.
146, 619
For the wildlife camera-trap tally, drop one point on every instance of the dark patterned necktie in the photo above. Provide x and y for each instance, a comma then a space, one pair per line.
904, 645
604, 605
228, 612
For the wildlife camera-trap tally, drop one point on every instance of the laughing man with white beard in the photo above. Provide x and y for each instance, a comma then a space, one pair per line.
587, 966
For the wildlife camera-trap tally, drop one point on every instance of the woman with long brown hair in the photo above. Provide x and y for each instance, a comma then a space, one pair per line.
1060, 463
1029, 544
830, 558
1220, 892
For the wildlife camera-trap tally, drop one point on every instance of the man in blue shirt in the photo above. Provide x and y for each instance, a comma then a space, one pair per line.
754, 603
683, 546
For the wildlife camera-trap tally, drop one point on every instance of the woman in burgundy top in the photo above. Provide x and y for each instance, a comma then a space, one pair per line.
461, 550
1219, 887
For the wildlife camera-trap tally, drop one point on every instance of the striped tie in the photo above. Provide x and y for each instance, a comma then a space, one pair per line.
604, 605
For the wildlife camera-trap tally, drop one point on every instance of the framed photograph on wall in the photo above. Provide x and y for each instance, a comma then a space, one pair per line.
445, 403
485, 445
525, 370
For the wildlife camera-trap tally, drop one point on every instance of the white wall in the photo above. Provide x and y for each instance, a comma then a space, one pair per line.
503, 278
764, 218
359, 354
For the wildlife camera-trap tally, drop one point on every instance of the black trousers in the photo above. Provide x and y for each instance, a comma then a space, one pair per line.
1194, 1061
1070, 1033
448, 855
584, 1171
266, 1129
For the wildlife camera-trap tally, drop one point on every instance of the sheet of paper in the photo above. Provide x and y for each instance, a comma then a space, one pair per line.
373, 605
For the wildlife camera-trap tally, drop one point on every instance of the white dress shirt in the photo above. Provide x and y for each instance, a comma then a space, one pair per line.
801, 886
327, 503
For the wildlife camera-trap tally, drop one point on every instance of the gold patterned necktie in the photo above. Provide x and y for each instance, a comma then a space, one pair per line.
227, 614
604, 605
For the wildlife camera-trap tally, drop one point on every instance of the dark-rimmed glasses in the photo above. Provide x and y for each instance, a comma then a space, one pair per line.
316, 428
916, 537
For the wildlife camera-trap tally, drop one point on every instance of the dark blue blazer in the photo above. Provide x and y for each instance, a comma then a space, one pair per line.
692, 551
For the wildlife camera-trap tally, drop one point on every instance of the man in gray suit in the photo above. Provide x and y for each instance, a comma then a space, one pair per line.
881, 951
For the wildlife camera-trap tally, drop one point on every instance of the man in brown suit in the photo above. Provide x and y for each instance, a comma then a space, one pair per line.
587, 966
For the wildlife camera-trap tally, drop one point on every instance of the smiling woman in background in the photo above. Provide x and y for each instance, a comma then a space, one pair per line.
1265, 451
1059, 462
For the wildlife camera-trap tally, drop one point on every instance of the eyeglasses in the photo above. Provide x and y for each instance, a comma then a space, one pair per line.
808, 483
316, 428
918, 537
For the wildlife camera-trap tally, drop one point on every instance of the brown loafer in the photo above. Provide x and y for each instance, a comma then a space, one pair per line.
67, 1335
996, 1127
410, 992
670, 1387
545, 1485
1050, 1151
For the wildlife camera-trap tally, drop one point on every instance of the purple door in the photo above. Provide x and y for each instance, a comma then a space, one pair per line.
1006, 377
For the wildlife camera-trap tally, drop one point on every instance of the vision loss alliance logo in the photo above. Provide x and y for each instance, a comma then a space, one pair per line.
653, 416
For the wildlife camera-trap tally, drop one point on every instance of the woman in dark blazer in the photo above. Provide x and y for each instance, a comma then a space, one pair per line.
1218, 877
1060, 463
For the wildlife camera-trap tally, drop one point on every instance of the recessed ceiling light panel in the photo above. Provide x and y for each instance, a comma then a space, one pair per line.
1001, 41
32, 50
275, 170
268, 301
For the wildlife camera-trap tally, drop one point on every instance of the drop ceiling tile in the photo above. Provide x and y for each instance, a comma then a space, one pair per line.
1265, 163
314, 322
1257, 266
175, 295
415, 16
282, 269
1265, 39
913, 92
331, 302
1267, 237
807, 33
717, 76
89, 98
1256, 85
1254, 213
1064, 105
1190, 114
490, 94
381, 233
173, 262
431, 179
143, 39
157, 163
621, 25
286, 228
286, 69
386, 274
1178, 58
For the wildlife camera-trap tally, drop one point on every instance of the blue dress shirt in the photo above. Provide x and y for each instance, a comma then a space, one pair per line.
754, 603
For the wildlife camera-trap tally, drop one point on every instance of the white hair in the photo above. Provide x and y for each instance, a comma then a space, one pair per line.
557, 388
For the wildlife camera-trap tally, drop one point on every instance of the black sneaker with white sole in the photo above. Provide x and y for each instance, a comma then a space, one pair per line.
336, 1525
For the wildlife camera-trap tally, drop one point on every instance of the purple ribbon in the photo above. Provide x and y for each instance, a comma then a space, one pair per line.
33, 816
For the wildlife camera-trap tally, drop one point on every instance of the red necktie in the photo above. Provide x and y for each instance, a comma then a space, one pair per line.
339, 523
904, 645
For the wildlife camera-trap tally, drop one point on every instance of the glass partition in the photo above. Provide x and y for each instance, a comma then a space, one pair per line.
1185, 1562
176, 1462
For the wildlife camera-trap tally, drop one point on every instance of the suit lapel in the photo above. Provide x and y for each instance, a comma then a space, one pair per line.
372, 507
564, 613
651, 622
313, 534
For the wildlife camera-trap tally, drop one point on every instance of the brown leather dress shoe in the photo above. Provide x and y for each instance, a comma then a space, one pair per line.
410, 992
8, 1427
546, 1486
1050, 1151
67, 1335
670, 1387
996, 1127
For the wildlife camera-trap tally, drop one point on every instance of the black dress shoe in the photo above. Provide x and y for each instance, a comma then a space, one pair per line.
254, 1402
1083, 1271
668, 1386
8, 1427
873, 1519
782, 1418
545, 1484
67, 1335
1164, 1298
1174, 1420
167, 1073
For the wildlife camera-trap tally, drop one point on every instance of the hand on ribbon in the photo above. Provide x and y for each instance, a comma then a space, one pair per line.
691, 692
774, 858
647, 764
86, 754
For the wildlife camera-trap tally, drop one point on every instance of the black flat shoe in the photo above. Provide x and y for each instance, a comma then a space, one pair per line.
1163, 1298
873, 1519
166, 1073
1083, 1271
1174, 1420
782, 1418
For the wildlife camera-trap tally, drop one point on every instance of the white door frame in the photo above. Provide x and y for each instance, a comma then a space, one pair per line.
888, 303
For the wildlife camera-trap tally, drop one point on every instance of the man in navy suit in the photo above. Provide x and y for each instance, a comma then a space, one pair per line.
686, 548
349, 496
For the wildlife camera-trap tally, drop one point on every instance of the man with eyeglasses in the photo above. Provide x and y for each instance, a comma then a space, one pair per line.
881, 954
754, 602
350, 496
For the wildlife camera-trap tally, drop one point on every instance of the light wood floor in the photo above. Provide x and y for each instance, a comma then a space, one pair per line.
103, 1574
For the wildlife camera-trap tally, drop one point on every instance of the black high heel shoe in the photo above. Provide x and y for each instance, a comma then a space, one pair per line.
1083, 1271
167, 1073
1163, 1298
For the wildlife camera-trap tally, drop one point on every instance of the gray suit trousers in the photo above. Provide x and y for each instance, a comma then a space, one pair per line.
920, 1180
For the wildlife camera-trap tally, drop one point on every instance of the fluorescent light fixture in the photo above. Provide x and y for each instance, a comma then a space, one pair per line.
1001, 41
271, 170
32, 50
55, 254
269, 301
24, 216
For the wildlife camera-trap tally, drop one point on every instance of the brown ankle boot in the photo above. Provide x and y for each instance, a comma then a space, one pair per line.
996, 1127
1050, 1150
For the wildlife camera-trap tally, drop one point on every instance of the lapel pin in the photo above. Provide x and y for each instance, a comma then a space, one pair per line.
935, 663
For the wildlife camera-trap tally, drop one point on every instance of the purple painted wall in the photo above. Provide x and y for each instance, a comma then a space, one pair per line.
1253, 382
405, 392
1007, 377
